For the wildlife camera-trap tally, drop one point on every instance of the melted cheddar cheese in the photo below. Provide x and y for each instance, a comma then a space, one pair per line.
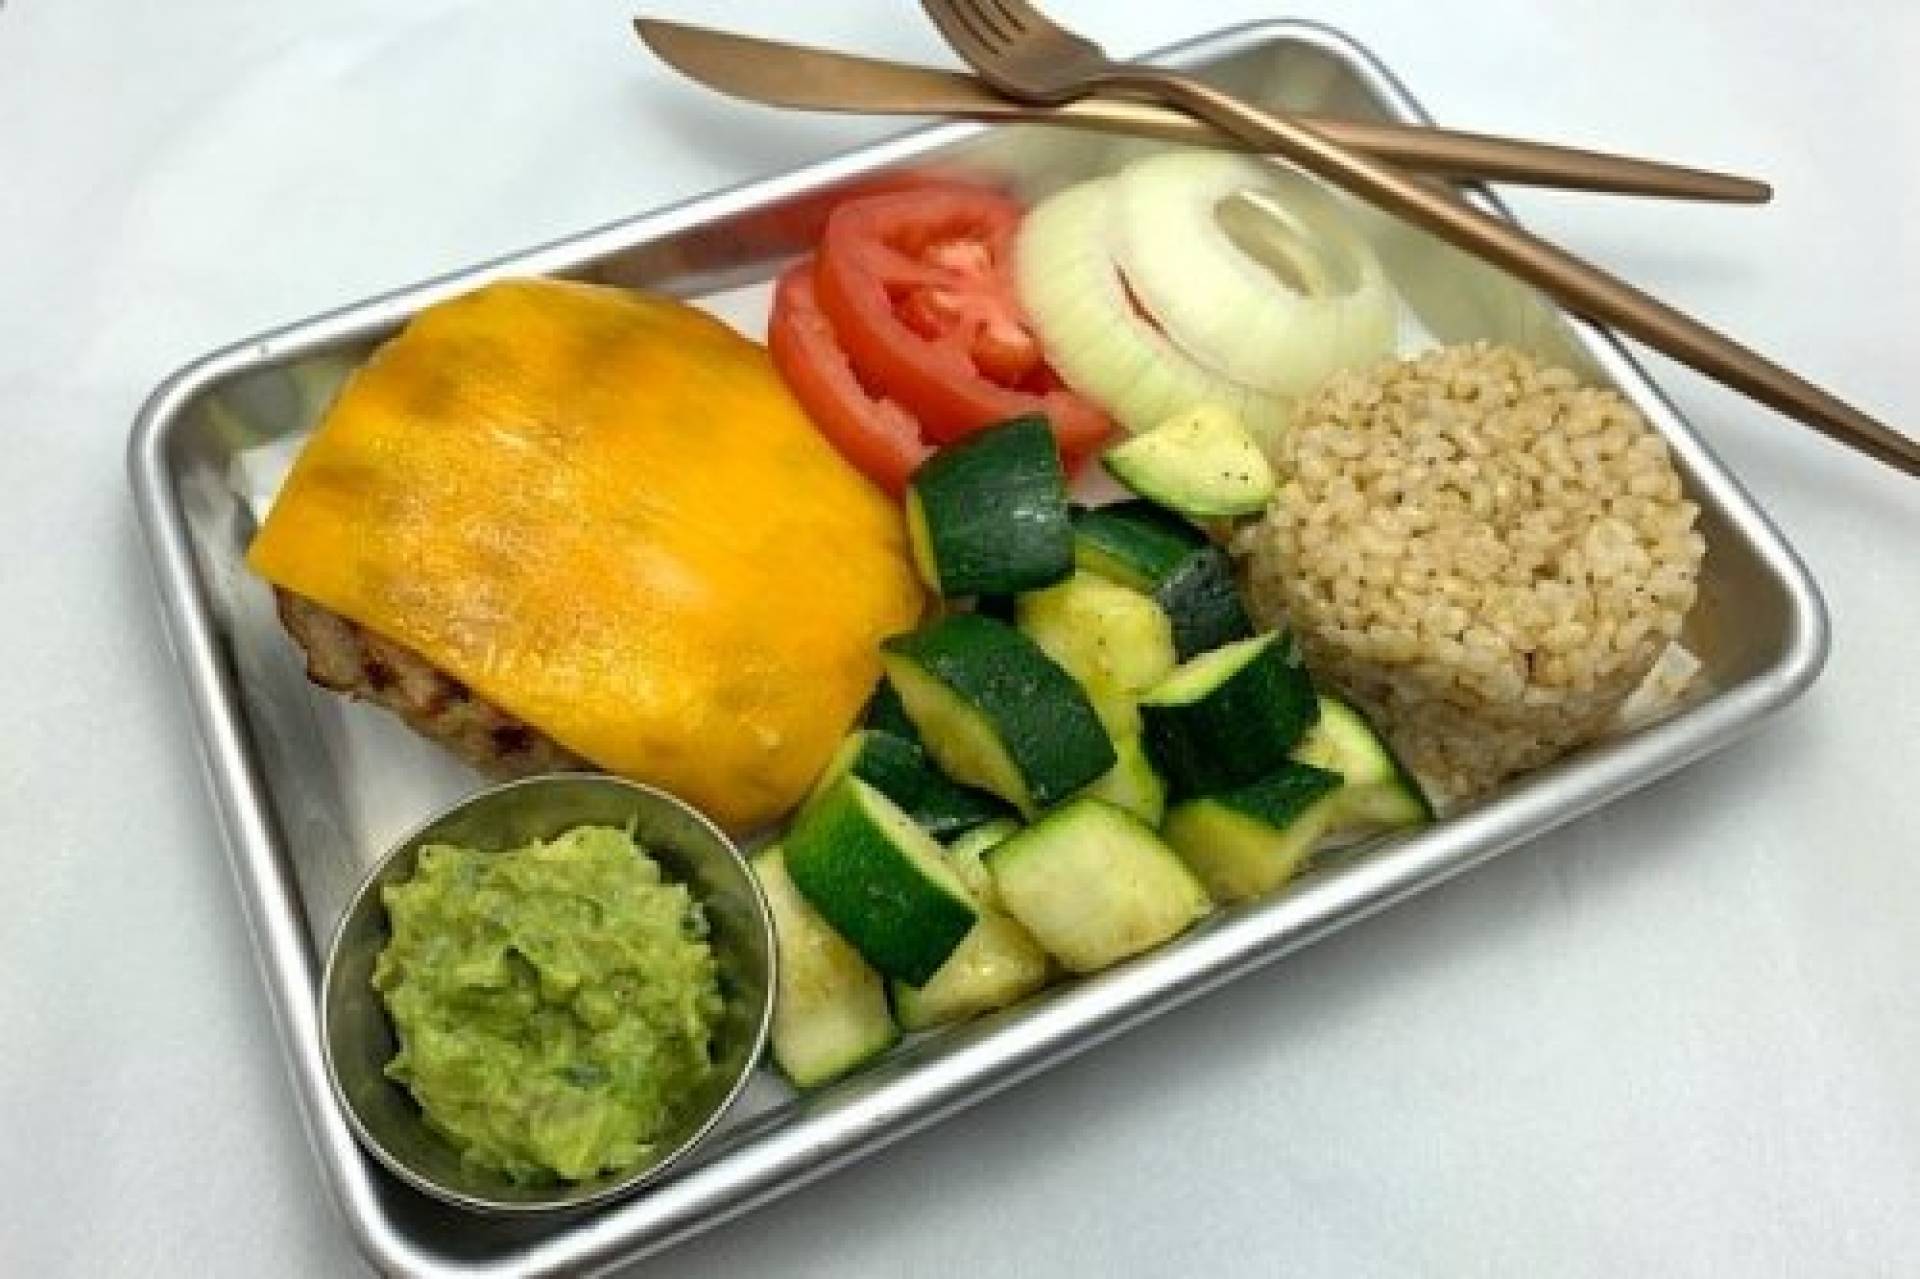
602, 511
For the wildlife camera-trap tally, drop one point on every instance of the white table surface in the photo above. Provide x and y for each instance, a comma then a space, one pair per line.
1681, 1037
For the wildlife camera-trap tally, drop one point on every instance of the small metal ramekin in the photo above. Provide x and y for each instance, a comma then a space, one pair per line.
358, 1038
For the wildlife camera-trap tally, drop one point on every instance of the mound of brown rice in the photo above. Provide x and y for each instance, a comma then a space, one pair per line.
1485, 555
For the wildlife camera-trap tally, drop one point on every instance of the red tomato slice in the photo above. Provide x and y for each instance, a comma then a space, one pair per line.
918, 285
874, 434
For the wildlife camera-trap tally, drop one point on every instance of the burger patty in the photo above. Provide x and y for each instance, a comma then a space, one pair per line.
347, 658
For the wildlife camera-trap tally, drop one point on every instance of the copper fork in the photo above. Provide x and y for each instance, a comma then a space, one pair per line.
1026, 56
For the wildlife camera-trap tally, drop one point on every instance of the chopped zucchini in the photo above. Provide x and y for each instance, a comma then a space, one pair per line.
1247, 841
988, 515
830, 1009
1201, 463
885, 713
1229, 717
1094, 885
1134, 543
902, 772
1203, 599
1379, 791
881, 881
1117, 642
996, 712
1153, 551
998, 964
1131, 783
967, 853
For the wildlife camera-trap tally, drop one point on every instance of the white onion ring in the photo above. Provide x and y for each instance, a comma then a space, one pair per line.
1095, 340
1320, 301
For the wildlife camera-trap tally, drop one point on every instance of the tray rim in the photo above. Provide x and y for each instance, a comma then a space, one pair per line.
903, 1094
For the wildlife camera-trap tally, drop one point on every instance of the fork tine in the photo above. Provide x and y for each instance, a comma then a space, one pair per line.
1015, 17
1022, 24
1027, 19
1014, 48
956, 37
992, 18
984, 23
954, 20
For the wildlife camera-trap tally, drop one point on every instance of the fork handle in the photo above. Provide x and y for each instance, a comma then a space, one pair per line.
1581, 286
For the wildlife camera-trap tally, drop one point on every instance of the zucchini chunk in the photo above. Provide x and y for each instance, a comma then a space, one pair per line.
1117, 642
1201, 463
885, 713
988, 515
996, 712
1132, 784
880, 880
829, 1008
967, 856
1147, 549
1379, 793
998, 964
1134, 543
1229, 717
902, 772
1247, 841
1095, 885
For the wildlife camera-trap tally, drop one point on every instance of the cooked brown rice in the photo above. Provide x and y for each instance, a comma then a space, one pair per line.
1485, 555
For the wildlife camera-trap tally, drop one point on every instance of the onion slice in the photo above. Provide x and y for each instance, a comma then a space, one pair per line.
1096, 340
1253, 270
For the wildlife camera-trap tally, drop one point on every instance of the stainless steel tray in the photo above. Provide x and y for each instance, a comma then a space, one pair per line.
308, 790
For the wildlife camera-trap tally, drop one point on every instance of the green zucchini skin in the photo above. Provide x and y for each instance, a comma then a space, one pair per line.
1139, 545
879, 880
1252, 711
1035, 712
998, 964
989, 513
830, 1012
901, 771
1248, 841
1203, 599
1279, 799
1381, 792
1134, 542
885, 714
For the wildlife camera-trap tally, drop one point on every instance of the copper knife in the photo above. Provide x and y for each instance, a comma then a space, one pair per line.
780, 74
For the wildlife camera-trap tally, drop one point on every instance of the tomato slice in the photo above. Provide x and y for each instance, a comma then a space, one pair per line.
918, 285
879, 437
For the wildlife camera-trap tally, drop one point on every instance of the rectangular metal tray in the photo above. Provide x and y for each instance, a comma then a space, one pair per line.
309, 790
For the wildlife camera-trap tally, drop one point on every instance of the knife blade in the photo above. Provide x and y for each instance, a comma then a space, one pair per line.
777, 73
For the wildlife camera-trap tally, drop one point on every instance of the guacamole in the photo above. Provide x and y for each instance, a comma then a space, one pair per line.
554, 1003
